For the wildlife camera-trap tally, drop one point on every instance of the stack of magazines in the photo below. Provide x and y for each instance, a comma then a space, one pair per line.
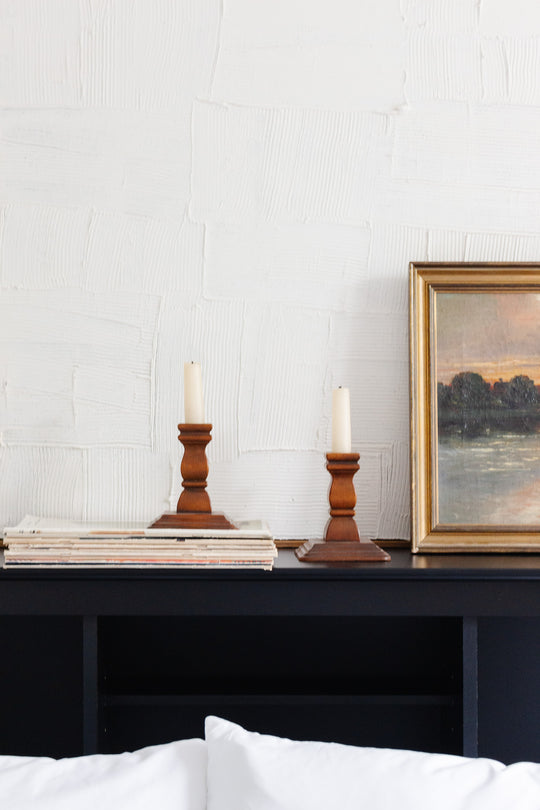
51, 543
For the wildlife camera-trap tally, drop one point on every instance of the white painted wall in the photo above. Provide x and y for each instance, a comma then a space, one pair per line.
243, 183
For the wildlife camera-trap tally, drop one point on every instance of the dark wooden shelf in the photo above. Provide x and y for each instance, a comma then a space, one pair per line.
437, 652
442, 585
280, 700
403, 565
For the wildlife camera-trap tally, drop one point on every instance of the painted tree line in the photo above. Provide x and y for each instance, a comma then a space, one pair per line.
469, 391
471, 406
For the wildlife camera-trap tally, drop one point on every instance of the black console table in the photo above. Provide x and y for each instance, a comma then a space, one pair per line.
437, 653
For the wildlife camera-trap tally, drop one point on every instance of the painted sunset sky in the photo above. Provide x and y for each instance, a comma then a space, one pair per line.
496, 335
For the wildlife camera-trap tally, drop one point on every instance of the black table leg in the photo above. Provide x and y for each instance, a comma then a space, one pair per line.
470, 686
90, 685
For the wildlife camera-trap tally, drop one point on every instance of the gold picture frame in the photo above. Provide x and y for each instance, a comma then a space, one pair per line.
475, 407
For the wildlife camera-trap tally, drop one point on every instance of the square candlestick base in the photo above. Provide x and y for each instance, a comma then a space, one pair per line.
341, 551
193, 520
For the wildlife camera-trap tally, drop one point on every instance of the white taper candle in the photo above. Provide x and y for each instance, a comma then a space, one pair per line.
341, 421
193, 394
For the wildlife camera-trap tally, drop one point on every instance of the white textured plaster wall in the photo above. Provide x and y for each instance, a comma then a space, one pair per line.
241, 182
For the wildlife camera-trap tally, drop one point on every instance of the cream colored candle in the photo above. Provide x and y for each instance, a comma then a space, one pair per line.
341, 421
193, 394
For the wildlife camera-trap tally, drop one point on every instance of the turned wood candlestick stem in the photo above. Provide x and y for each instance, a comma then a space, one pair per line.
194, 510
194, 468
342, 497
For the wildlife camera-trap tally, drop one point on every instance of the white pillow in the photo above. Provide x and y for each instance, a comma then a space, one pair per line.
161, 777
248, 770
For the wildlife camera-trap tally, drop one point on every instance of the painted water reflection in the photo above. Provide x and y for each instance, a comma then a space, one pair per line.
489, 479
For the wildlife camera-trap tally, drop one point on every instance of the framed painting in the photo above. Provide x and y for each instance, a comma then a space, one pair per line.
475, 407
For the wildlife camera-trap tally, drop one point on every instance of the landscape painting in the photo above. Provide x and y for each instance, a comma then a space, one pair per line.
486, 364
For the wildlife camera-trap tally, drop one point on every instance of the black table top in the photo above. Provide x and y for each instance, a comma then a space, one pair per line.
435, 585
402, 566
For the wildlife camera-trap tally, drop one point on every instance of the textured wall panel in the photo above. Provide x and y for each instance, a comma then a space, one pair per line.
289, 488
40, 53
43, 247
76, 367
442, 16
511, 70
392, 247
282, 384
47, 481
446, 202
442, 66
286, 164
319, 266
502, 247
147, 54
463, 145
295, 54
126, 484
242, 184
396, 492
117, 160
518, 18
143, 254
445, 246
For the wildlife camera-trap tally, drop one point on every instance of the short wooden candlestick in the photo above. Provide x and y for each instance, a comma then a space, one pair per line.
342, 542
193, 510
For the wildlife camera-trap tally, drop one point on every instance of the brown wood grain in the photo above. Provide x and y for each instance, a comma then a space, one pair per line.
342, 541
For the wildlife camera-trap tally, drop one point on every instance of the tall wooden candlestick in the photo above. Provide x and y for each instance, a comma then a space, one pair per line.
342, 542
193, 510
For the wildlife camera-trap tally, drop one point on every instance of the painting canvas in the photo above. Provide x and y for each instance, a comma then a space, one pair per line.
476, 433
488, 407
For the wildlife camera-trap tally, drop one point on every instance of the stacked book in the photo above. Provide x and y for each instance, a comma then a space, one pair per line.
50, 543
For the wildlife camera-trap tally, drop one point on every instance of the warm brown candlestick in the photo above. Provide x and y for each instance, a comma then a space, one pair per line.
193, 510
342, 542
194, 468
342, 467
